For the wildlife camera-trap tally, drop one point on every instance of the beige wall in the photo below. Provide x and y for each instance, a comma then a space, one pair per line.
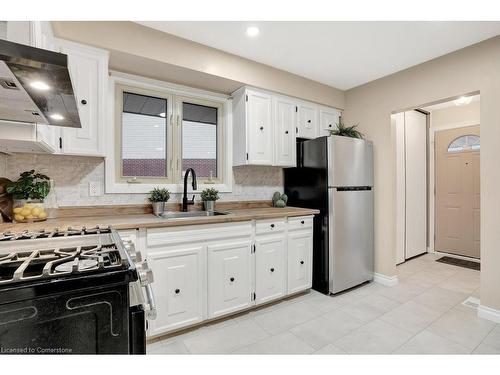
476, 68
459, 116
167, 54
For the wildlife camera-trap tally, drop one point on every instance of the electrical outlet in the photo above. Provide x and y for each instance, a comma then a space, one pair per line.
95, 189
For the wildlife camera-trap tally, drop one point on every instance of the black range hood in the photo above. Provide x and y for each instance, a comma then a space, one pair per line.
35, 86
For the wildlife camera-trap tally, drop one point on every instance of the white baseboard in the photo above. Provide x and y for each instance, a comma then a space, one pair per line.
385, 280
488, 313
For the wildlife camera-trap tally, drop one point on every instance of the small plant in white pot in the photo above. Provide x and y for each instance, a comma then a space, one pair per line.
209, 196
158, 197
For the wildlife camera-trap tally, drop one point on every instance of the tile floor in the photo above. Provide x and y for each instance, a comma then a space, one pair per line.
423, 314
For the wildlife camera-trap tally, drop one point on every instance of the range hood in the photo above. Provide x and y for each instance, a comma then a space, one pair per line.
35, 86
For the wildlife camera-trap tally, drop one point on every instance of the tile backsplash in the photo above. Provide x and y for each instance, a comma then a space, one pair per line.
72, 174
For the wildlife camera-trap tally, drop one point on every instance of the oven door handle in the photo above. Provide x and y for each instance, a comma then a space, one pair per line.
151, 304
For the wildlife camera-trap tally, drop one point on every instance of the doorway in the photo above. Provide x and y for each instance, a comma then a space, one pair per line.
457, 198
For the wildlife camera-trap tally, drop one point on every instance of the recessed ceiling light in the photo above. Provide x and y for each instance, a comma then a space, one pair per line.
56, 116
253, 31
161, 114
39, 85
463, 100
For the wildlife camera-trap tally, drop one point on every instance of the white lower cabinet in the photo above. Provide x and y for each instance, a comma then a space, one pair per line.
229, 277
270, 268
299, 261
207, 271
179, 288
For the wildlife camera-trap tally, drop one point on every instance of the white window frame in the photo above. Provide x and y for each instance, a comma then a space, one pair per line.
114, 184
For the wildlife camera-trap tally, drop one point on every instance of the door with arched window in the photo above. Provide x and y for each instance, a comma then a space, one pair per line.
457, 191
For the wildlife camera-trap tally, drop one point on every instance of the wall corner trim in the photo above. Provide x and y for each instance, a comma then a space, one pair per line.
488, 313
385, 280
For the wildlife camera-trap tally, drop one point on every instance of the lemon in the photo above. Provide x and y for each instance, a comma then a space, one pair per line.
42, 215
36, 211
25, 211
17, 210
29, 217
18, 217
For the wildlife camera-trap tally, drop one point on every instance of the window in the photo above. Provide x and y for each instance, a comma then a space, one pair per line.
161, 133
465, 143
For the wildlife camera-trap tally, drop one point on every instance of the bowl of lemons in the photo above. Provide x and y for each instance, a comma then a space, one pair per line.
29, 211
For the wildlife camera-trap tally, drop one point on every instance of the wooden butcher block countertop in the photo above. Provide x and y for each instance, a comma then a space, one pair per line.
126, 217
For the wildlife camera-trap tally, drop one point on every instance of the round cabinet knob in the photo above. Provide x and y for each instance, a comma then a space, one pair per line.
301, 262
261, 128
308, 121
302, 222
177, 291
83, 101
286, 131
231, 279
330, 125
272, 225
272, 269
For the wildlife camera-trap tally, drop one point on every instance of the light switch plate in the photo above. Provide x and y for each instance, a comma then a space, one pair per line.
95, 189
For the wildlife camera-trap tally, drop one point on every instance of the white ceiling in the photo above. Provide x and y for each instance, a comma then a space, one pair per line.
339, 54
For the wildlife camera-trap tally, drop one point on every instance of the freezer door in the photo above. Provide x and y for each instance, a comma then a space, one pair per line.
351, 238
350, 162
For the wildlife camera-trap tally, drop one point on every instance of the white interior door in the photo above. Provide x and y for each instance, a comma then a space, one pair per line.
416, 183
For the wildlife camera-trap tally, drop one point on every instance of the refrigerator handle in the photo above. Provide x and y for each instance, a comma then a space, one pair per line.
300, 154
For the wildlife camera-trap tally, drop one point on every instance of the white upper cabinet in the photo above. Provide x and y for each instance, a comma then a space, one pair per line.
285, 111
328, 120
260, 128
32, 33
307, 121
88, 68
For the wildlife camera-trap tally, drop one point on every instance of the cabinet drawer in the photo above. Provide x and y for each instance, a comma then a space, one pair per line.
302, 222
270, 226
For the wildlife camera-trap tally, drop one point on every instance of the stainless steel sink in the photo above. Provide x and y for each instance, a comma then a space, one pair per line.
190, 214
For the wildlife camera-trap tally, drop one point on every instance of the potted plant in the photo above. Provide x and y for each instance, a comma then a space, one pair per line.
158, 197
209, 196
347, 131
28, 193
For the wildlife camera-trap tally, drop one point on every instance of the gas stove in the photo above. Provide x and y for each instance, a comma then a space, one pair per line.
55, 254
81, 289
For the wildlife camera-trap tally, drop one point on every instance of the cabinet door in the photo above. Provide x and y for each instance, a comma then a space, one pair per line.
307, 126
259, 128
270, 268
328, 119
229, 282
299, 261
88, 70
284, 132
179, 288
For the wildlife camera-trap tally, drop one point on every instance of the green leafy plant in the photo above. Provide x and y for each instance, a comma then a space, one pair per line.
30, 185
159, 195
279, 200
347, 131
210, 194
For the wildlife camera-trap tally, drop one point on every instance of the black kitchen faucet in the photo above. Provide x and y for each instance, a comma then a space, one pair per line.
185, 201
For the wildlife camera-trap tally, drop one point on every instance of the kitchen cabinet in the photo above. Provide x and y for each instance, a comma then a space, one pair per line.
307, 121
229, 277
253, 128
32, 33
270, 267
285, 112
179, 287
88, 67
299, 260
328, 120
204, 272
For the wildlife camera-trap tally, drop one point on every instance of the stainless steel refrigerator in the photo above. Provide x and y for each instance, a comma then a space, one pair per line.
335, 175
